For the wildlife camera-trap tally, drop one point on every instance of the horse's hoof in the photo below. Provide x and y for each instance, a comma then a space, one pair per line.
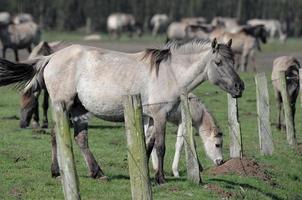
45, 125
55, 174
23, 124
160, 180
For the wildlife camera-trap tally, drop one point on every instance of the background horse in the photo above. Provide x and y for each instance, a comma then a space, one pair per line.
244, 42
83, 80
117, 23
30, 100
291, 67
19, 36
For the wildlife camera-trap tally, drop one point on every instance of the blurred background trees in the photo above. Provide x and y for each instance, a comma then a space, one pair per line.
72, 14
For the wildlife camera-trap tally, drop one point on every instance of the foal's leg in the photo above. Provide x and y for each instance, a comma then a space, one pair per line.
45, 108
81, 138
178, 147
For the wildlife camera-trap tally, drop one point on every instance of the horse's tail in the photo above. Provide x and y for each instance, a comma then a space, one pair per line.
28, 75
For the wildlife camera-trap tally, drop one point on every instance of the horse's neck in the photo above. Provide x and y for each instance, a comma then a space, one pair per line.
188, 68
206, 124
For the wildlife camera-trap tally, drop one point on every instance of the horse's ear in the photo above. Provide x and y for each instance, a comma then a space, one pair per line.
214, 43
229, 43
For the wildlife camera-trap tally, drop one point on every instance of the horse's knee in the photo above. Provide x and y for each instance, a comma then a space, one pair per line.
82, 139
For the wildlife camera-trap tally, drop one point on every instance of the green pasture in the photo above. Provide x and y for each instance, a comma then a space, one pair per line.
25, 157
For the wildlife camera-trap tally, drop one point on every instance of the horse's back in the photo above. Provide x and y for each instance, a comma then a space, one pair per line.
282, 63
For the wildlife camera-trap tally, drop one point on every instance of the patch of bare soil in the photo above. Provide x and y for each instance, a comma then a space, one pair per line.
218, 190
241, 167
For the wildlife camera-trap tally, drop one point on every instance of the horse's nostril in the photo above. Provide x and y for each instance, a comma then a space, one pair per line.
218, 162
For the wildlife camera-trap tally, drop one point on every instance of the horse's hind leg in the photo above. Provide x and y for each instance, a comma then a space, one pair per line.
81, 138
45, 108
55, 170
160, 125
16, 55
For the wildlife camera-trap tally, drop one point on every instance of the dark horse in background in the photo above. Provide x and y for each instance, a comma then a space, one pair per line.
30, 100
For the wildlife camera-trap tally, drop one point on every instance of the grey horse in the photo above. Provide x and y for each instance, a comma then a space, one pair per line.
84, 80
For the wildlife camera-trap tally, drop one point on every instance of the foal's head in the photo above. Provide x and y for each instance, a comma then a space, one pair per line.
220, 69
211, 136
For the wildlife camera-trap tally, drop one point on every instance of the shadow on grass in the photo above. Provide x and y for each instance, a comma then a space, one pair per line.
105, 126
231, 184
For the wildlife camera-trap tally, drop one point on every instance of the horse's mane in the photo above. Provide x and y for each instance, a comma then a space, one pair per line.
156, 57
185, 47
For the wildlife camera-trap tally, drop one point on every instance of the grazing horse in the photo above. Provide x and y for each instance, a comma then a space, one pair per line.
82, 80
19, 36
29, 100
244, 42
117, 23
291, 67
272, 26
159, 22
206, 127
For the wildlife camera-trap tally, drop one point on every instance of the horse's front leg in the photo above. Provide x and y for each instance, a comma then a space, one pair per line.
81, 138
178, 147
36, 118
45, 108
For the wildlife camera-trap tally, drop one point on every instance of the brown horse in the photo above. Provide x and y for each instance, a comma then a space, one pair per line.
291, 67
244, 42
29, 100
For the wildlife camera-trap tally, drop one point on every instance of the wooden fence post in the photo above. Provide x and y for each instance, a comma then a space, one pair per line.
65, 154
193, 170
234, 127
137, 158
264, 129
300, 81
289, 121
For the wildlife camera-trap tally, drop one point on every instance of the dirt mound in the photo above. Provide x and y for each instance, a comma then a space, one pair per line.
242, 167
221, 192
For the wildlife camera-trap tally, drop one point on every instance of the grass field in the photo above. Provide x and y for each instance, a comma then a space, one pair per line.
291, 45
25, 157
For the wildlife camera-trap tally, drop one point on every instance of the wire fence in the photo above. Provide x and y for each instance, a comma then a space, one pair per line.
230, 123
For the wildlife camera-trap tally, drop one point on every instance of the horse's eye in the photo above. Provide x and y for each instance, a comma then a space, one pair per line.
217, 145
218, 63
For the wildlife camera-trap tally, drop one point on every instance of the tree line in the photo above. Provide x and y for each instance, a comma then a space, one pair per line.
70, 15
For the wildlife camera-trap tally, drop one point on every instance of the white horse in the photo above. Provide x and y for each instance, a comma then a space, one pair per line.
82, 80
